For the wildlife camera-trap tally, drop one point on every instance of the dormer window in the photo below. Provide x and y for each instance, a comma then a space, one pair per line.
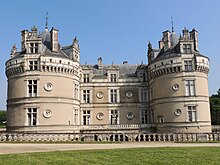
113, 77
187, 48
143, 77
85, 78
33, 47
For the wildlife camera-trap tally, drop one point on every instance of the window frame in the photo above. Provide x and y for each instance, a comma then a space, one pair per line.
144, 95
34, 47
86, 78
188, 65
33, 65
113, 95
114, 117
144, 116
86, 117
86, 96
32, 116
191, 113
32, 88
190, 89
187, 48
113, 77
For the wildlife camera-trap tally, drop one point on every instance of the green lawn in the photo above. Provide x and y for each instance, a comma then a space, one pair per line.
169, 155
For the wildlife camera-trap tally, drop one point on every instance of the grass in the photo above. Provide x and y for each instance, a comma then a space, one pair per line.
2, 125
157, 156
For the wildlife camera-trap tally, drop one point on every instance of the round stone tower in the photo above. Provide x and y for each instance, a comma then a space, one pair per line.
43, 84
179, 100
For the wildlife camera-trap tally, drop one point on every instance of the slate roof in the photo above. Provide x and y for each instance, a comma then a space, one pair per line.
46, 45
130, 70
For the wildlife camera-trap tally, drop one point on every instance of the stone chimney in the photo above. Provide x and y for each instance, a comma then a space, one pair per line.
185, 34
100, 63
24, 35
125, 62
194, 37
160, 44
166, 40
54, 40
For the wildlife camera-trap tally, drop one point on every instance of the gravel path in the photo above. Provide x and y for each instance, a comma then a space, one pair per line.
13, 148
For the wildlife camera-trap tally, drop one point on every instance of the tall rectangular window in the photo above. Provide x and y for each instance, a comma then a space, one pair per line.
152, 116
113, 95
192, 113
86, 96
114, 117
190, 87
151, 94
86, 118
113, 77
144, 77
32, 88
32, 116
144, 119
187, 48
188, 65
33, 65
76, 116
143, 95
76, 91
33, 47
85, 78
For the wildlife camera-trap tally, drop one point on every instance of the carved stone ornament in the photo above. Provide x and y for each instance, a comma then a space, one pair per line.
99, 95
47, 113
175, 87
48, 86
130, 115
129, 94
100, 116
177, 112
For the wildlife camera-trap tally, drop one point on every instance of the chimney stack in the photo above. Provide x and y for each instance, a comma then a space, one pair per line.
166, 40
100, 63
194, 37
185, 34
54, 40
125, 62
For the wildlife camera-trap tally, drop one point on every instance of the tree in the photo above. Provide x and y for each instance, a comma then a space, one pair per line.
3, 117
215, 108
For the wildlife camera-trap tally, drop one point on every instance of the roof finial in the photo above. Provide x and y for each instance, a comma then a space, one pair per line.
46, 26
172, 22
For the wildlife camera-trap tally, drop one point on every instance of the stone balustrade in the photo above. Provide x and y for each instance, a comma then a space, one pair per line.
59, 137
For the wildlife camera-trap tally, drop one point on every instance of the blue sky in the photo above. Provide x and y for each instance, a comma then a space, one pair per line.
115, 30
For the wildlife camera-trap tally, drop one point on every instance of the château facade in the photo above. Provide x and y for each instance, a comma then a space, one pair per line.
50, 91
